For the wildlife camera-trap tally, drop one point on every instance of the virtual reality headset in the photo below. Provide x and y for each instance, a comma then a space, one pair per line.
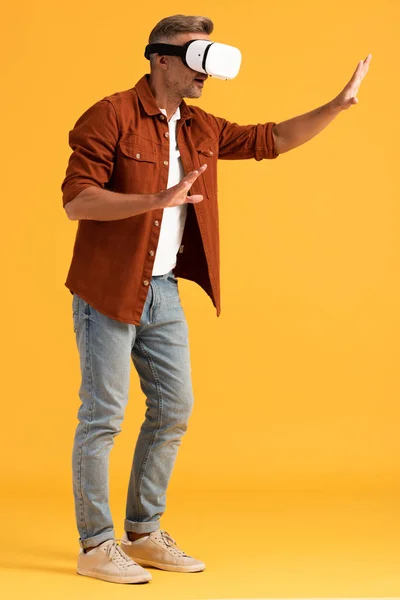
217, 60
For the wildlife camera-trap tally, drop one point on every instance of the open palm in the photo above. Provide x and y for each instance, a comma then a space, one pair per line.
348, 96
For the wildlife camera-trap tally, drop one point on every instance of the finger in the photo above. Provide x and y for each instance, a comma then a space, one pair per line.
359, 66
357, 72
198, 172
195, 173
201, 170
194, 199
365, 65
191, 177
188, 180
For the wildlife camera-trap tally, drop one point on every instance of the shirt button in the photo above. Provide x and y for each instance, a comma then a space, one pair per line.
166, 134
166, 163
211, 153
156, 223
162, 117
151, 252
146, 282
138, 155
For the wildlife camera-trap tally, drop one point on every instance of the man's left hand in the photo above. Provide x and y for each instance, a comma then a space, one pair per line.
348, 96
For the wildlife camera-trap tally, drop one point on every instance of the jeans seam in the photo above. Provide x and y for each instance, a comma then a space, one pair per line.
75, 312
155, 430
84, 518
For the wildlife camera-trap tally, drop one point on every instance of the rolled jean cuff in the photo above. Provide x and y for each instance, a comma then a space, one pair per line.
95, 540
141, 527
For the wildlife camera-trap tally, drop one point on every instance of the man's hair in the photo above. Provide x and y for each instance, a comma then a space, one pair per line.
168, 28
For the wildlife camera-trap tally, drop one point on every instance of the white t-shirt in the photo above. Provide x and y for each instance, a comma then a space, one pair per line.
174, 217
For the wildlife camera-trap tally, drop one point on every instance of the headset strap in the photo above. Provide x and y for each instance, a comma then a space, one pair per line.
166, 49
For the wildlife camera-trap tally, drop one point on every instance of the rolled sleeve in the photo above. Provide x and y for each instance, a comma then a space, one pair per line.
266, 147
93, 141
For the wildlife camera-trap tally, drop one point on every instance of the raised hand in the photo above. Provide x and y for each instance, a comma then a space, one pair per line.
348, 96
178, 194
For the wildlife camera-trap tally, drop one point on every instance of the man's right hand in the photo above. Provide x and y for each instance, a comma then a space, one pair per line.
178, 194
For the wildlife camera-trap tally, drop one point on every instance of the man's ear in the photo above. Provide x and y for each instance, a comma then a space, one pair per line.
163, 61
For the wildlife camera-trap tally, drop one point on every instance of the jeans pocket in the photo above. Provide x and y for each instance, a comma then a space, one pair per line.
173, 279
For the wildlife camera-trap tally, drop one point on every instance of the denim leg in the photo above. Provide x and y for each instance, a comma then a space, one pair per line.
161, 358
104, 346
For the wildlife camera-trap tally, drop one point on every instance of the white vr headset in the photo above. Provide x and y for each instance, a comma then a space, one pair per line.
217, 60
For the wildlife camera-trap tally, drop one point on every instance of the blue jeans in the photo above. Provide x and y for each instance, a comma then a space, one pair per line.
159, 350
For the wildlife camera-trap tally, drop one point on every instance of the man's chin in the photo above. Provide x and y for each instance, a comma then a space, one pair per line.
193, 92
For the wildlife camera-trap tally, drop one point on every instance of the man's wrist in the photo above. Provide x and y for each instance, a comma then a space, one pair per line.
155, 201
334, 106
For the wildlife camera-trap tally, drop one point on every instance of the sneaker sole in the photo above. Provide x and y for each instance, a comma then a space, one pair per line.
114, 578
166, 567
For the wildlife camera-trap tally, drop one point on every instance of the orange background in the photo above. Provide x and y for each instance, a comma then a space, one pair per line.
297, 383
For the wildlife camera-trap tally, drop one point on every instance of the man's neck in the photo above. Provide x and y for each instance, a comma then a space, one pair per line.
170, 104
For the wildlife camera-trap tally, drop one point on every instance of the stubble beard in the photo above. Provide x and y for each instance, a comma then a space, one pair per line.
190, 90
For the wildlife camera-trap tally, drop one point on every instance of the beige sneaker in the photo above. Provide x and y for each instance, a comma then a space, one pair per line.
159, 550
109, 562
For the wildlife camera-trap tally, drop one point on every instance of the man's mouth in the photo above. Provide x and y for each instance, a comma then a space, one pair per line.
200, 79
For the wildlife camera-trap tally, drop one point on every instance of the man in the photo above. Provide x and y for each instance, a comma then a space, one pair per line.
142, 182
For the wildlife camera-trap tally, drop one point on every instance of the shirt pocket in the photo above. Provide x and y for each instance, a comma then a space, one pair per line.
207, 152
137, 165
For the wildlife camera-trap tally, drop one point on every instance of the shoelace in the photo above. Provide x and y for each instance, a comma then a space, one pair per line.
171, 543
117, 555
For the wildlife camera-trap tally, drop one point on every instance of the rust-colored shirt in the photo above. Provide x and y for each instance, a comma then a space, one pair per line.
120, 144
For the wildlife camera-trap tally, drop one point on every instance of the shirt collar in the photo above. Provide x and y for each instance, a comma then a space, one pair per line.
149, 102
175, 117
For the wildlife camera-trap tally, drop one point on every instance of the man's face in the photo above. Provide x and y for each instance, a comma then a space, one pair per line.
178, 78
